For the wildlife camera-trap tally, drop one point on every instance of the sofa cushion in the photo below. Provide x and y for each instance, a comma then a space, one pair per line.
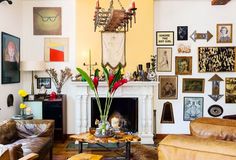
8, 133
221, 129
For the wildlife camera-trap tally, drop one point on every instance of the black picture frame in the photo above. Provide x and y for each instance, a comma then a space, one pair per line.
165, 38
46, 81
10, 58
182, 33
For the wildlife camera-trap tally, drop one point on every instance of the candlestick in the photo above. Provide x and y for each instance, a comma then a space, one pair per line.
90, 65
97, 4
133, 4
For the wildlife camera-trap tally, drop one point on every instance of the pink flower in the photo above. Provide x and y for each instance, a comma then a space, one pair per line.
118, 84
95, 82
110, 79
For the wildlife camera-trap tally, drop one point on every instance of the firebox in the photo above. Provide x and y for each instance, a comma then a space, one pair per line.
123, 113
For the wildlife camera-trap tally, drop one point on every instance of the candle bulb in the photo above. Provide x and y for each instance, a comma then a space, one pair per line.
97, 4
133, 4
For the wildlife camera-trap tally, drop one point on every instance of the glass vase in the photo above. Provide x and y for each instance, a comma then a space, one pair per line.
22, 112
104, 129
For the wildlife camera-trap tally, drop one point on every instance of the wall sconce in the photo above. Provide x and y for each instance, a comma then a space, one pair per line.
9, 1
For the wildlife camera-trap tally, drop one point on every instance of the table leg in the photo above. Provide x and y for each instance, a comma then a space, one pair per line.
80, 147
127, 153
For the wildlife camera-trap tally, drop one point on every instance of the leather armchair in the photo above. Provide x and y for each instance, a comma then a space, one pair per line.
6, 156
211, 139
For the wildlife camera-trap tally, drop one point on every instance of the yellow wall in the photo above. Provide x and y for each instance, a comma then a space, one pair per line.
139, 39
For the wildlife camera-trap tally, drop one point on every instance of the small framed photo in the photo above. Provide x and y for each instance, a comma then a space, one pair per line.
193, 108
164, 38
44, 81
183, 65
182, 33
230, 94
168, 87
193, 85
224, 33
164, 59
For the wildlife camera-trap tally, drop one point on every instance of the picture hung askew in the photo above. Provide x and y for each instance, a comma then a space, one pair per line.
56, 49
164, 38
224, 33
193, 108
183, 65
164, 59
47, 20
182, 33
193, 85
168, 87
216, 59
10, 58
230, 92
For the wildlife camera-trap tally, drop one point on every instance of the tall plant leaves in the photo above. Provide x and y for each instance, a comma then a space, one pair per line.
86, 77
106, 73
117, 76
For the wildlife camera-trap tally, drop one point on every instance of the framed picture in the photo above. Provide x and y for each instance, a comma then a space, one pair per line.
44, 81
230, 94
224, 33
56, 49
193, 108
164, 59
216, 59
184, 48
10, 59
47, 20
183, 65
164, 38
193, 85
168, 87
182, 33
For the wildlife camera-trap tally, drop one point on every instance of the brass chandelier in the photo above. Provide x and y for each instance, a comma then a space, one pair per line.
114, 19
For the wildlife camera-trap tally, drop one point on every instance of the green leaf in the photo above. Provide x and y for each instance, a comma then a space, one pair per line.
96, 74
106, 73
117, 75
87, 78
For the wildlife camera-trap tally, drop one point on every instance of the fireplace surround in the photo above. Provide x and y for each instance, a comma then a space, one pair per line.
143, 91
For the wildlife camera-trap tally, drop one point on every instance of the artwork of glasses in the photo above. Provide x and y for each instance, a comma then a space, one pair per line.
47, 20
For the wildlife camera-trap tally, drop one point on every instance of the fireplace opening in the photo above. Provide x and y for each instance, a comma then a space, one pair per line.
123, 113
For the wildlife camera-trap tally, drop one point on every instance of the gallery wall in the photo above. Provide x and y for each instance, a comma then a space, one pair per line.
10, 18
201, 16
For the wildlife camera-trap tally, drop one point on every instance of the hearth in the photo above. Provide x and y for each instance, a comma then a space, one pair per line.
123, 113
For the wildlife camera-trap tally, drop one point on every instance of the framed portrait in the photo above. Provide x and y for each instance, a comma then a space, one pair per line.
164, 59
47, 20
10, 58
182, 33
193, 85
183, 65
44, 81
168, 87
230, 93
193, 108
224, 33
216, 59
164, 38
56, 49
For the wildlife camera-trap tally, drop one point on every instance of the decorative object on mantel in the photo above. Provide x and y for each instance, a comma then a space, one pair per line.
114, 81
216, 87
9, 1
59, 82
114, 19
22, 93
90, 65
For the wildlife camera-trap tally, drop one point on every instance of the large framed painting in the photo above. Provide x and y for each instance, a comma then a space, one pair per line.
224, 33
168, 87
164, 59
216, 59
56, 49
230, 92
164, 38
10, 58
193, 85
47, 20
183, 65
193, 108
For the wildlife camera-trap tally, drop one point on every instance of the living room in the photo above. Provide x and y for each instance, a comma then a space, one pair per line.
181, 41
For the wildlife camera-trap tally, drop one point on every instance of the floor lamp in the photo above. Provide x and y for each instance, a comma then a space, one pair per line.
32, 66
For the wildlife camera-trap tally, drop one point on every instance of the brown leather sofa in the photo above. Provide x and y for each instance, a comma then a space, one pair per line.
23, 137
210, 139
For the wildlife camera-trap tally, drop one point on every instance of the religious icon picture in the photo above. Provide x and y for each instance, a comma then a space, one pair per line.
182, 33
183, 65
168, 87
47, 20
164, 59
224, 33
193, 108
10, 58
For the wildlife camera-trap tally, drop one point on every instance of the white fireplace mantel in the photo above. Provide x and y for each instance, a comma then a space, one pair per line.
144, 91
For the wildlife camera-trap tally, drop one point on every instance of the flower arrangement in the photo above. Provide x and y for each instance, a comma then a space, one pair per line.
22, 93
114, 81
59, 82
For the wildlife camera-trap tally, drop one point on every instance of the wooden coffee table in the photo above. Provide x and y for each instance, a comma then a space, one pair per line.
118, 138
